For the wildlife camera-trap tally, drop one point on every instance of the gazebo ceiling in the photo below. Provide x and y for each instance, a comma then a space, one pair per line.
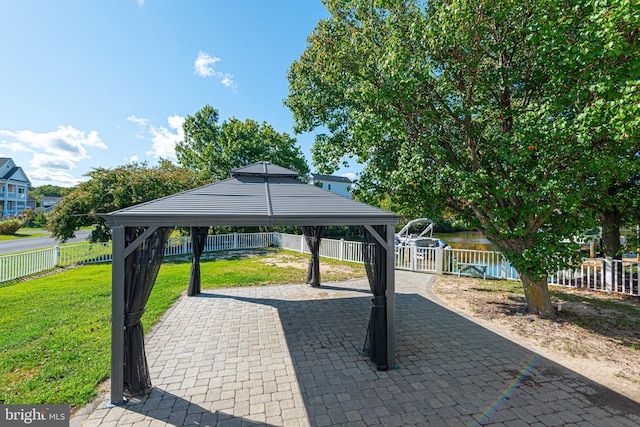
259, 194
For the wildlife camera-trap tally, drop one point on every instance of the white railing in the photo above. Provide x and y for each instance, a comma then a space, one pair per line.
25, 264
494, 264
598, 274
343, 250
595, 274
84, 253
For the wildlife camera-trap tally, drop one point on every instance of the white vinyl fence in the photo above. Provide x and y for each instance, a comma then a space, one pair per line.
25, 264
601, 274
594, 274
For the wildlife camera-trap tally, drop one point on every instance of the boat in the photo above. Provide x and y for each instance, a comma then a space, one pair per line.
423, 240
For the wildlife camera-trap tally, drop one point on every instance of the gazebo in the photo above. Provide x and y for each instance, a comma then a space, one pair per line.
262, 194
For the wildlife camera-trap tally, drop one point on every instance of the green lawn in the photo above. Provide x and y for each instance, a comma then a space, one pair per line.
25, 233
55, 330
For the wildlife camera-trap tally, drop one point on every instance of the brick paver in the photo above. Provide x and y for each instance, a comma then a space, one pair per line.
291, 355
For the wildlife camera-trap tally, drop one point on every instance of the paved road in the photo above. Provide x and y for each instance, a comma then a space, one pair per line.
32, 243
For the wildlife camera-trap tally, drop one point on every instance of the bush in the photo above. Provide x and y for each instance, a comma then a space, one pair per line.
10, 226
40, 220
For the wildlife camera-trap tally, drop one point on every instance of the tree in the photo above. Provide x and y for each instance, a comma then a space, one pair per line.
108, 190
462, 106
603, 47
49, 190
213, 150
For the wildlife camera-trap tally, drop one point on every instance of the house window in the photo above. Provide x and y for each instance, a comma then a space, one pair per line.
329, 187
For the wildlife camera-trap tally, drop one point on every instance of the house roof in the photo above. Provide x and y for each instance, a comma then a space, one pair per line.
12, 172
259, 194
332, 178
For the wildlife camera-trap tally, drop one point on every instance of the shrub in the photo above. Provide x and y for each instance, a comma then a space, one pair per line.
40, 220
10, 226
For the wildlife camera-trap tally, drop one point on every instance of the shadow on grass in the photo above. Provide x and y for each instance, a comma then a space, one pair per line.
230, 255
616, 317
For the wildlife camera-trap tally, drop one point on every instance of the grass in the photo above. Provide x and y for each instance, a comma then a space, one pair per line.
611, 315
25, 233
55, 331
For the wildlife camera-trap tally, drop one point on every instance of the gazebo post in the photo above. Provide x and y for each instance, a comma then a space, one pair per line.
117, 316
391, 297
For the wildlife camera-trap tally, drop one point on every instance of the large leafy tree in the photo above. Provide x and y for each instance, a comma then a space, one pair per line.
213, 149
49, 190
598, 47
108, 190
467, 107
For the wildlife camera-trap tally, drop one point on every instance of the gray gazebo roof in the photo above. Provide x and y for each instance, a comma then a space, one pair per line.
259, 194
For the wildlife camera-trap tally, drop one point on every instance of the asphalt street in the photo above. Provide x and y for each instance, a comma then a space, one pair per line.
32, 243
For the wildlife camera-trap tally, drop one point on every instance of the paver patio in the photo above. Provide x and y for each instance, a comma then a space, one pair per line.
291, 355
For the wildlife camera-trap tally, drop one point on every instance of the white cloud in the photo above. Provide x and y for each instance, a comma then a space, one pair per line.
14, 147
138, 120
53, 153
47, 176
350, 175
164, 139
132, 159
203, 67
202, 64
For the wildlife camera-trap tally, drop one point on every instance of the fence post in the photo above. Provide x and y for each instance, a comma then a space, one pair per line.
55, 255
439, 260
413, 258
235, 240
341, 251
608, 278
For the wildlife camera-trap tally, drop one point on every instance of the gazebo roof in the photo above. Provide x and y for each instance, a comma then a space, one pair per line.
259, 194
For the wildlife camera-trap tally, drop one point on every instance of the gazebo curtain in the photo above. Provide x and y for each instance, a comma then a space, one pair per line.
141, 270
376, 265
313, 236
198, 241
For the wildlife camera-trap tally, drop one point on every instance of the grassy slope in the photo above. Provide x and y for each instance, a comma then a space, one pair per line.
25, 233
55, 330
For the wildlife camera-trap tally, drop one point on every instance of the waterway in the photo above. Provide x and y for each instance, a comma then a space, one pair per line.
467, 240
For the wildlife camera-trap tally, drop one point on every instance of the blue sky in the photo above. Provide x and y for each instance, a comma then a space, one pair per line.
89, 83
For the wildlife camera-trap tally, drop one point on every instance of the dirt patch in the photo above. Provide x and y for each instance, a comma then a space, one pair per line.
300, 262
594, 334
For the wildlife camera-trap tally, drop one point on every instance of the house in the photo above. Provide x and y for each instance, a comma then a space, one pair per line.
14, 188
49, 201
336, 184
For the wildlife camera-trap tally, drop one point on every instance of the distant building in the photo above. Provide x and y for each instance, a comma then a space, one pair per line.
14, 188
336, 184
49, 201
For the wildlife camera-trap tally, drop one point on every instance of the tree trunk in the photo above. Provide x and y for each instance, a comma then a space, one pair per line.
611, 232
536, 292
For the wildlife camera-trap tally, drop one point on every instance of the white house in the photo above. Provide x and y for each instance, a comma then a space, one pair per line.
14, 188
336, 184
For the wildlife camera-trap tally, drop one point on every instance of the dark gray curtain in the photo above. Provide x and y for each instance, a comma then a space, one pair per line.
313, 236
141, 270
375, 262
198, 241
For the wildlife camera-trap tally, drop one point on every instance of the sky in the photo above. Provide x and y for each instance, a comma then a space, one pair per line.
88, 83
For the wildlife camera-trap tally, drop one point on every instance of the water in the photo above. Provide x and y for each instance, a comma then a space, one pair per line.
475, 240
467, 240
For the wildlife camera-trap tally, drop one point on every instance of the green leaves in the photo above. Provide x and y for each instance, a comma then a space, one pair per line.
508, 113
213, 150
108, 190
